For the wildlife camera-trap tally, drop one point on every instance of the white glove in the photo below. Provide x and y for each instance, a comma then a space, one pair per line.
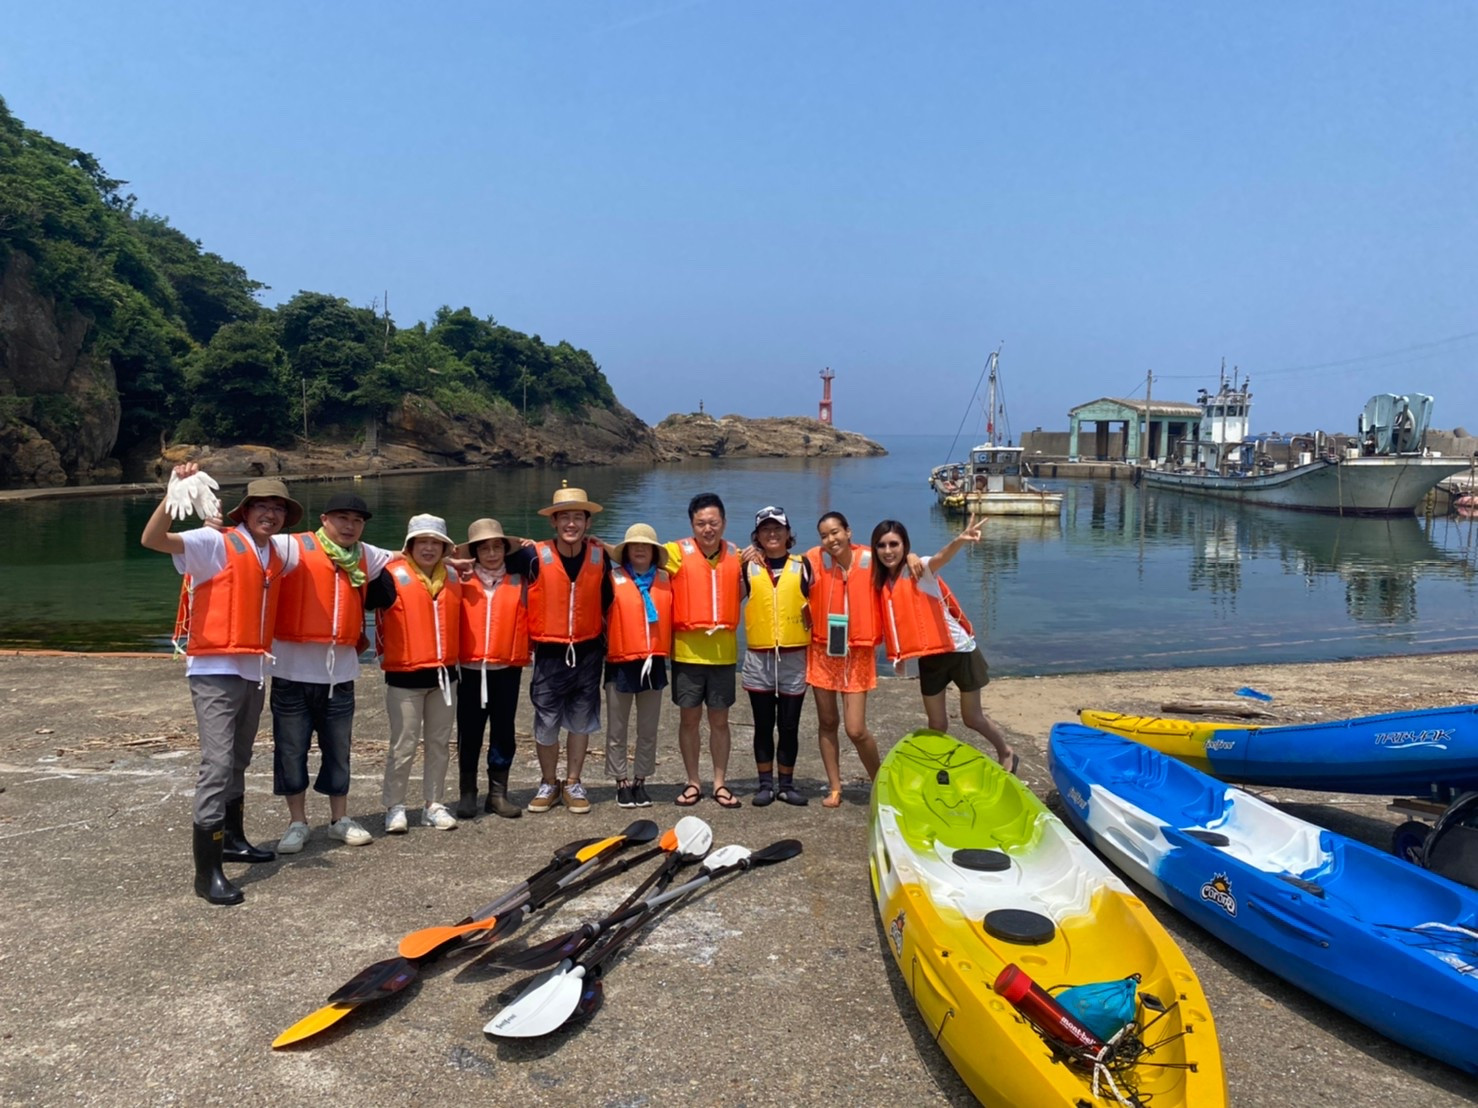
207, 505
192, 495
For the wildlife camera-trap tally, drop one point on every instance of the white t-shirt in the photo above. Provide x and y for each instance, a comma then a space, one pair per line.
324, 663
204, 557
963, 641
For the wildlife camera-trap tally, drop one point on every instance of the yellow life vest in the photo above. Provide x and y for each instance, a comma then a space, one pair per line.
773, 615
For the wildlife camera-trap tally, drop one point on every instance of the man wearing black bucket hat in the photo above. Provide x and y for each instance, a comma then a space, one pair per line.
228, 609
320, 631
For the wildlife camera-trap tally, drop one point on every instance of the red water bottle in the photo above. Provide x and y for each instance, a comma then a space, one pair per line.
1042, 1010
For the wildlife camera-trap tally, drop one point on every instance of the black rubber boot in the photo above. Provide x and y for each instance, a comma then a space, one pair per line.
498, 795
234, 847
210, 880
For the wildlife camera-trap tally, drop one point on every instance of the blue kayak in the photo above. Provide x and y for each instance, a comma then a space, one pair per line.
1390, 754
1393, 946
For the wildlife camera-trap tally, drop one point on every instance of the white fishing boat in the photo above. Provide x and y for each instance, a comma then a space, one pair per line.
992, 480
1385, 471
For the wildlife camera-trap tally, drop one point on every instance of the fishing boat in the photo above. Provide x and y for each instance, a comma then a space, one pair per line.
1387, 471
1391, 945
992, 480
990, 904
1384, 755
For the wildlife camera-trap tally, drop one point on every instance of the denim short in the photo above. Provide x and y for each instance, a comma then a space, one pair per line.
299, 709
565, 697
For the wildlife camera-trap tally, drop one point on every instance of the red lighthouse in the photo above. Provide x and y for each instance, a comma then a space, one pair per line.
824, 411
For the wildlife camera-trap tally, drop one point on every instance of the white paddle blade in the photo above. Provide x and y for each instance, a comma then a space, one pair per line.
549, 1000
694, 836
726, 856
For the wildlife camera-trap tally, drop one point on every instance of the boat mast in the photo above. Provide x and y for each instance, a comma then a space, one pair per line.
990, 413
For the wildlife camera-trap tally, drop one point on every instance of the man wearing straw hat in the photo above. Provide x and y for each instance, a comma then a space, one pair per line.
569, 592
228, 609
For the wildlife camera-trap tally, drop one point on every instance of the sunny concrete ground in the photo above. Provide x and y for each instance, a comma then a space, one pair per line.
122, 988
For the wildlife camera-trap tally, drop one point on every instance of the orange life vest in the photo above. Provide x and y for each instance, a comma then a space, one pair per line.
561, 610
829, 596
235, 611
318, 602
417, 632
705, 594
630, 637
495, 624
913, 621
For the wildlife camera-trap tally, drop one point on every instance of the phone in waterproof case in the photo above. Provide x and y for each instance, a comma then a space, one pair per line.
836, 636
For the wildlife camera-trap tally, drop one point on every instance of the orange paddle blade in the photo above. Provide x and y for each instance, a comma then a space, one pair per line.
312, 1024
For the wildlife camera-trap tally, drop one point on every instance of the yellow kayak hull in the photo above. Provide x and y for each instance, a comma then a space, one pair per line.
932, 911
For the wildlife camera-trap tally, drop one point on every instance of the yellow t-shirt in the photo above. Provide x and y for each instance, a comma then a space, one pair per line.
720, 648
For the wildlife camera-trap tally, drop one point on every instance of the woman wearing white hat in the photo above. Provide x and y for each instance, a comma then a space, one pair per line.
638, 640
417, 638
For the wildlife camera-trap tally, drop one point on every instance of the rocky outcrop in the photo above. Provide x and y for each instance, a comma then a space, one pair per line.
419, 435
59, 407
698, 435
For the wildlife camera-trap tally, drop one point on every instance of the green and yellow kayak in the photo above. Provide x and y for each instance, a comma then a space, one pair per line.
973, 874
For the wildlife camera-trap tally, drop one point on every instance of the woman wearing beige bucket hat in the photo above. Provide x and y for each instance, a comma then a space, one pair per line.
228, 611
638, 641
494, 650
417, 636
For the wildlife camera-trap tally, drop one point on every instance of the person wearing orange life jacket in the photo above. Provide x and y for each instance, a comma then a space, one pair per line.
707, 576
319, 634
417, 637
569, 592
776, 631
844, 638
921, 620
638, 640
227, 615
494, 650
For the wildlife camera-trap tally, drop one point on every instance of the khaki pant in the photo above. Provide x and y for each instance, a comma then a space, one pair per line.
618, 719
416, 714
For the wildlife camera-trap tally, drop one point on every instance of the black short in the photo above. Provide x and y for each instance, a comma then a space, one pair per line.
966, 671
698, 685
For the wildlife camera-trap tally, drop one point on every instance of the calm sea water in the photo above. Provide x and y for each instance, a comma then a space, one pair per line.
1126, 579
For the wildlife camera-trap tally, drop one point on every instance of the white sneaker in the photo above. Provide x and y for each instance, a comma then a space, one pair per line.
293, 839
439, 817
395, 821
348, 832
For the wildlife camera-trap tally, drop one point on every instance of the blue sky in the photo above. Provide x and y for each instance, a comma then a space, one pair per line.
718, 199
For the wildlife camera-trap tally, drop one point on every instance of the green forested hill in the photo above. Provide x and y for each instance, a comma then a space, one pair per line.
194, 353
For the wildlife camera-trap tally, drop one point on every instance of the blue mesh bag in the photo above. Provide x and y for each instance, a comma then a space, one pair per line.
1104, 1008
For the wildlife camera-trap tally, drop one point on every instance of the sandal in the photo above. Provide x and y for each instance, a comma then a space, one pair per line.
725, 798
689, 796
1015, 761
833, 799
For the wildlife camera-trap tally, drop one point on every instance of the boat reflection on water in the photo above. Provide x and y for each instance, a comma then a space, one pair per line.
1381, 561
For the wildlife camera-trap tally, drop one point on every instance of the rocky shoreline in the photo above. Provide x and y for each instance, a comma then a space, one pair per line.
431, 445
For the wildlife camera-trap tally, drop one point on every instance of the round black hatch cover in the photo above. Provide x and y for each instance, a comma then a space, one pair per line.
1016, 925
986, 861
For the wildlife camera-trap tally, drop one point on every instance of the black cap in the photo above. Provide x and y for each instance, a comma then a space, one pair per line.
348, 502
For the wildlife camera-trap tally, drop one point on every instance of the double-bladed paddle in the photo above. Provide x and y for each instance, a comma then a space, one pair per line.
554, 995
420, 944
390, 976
687, 842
